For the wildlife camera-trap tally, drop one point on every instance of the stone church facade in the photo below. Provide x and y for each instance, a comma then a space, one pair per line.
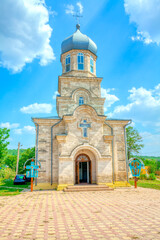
81, 145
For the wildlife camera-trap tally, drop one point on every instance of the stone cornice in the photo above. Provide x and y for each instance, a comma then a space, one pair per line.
69, 118
107, 138
118, 122
66, 98
61, 138
45, 121
77, 78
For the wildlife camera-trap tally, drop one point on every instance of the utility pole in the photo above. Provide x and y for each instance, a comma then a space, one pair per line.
17, 158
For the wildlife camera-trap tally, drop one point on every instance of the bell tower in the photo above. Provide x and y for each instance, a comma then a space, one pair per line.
78, 84
78, 55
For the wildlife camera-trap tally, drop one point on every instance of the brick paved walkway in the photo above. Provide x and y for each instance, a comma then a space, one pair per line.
121, 214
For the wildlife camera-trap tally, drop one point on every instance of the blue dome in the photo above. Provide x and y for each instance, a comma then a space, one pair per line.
78, 41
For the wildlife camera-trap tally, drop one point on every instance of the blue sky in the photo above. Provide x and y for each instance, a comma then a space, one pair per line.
127, 35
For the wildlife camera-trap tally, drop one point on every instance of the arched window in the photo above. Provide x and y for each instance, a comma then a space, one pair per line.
80, 61
68, 61
91, 64
81, 101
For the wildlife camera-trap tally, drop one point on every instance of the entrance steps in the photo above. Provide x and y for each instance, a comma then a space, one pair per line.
87, 187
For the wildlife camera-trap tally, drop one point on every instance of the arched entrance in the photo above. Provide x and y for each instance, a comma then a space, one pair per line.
83, 169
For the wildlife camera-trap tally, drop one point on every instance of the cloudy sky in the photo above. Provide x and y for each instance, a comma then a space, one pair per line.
127, 35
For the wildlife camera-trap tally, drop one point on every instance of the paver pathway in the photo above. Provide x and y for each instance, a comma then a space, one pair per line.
121, 214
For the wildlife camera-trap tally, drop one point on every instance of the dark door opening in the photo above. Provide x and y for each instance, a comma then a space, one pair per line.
83, 168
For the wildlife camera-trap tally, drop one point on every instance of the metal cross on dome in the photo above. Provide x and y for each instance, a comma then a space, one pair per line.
84, 125
77, 17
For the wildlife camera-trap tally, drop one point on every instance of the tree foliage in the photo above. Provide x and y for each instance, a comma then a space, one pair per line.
4, 135
14, 151
27, 154
11, 161
134, 141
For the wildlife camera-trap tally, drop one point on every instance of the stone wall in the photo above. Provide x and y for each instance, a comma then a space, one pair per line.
67, 137
119, 150
44, 156
71, 89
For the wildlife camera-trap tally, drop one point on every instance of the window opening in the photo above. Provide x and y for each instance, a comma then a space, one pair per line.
80, 61
91, 64
81, 101
68, 61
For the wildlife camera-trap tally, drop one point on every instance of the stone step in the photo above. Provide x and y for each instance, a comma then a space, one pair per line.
86, 190
89, 187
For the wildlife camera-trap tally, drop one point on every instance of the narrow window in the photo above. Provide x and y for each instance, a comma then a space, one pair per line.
68, 63
80, 61
81, 101
91, 64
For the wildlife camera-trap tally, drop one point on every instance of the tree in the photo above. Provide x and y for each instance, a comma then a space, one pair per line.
27, 154
10, 161
4, 135
134, 141
158, 165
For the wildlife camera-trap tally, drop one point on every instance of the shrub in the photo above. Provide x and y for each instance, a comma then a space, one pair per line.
151, 176
143, 176
7, 173
152, 169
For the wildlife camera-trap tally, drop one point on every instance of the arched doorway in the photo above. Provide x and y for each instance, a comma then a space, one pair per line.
83, 169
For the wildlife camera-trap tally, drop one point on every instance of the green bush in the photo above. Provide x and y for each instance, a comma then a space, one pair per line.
152, 164
7, 173
152, 169
143, 176
151, 176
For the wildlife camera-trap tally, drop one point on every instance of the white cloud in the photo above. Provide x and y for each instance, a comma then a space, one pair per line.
144, 106
70, 9
146, 15
157, 89
55, 94
24, 33
132, 124
26, 129
18, 131
80, 6
151, 143
9, 125
29, 129
110, 98
37, 108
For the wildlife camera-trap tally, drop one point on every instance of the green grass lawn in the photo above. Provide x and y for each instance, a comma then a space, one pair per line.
7, 188
155, 184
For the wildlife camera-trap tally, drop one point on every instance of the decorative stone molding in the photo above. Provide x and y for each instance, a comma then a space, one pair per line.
107, 138
61, 138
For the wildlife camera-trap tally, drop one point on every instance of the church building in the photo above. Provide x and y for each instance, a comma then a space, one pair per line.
81, 145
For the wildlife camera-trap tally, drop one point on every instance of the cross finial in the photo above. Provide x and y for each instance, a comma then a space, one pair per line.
77, 17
